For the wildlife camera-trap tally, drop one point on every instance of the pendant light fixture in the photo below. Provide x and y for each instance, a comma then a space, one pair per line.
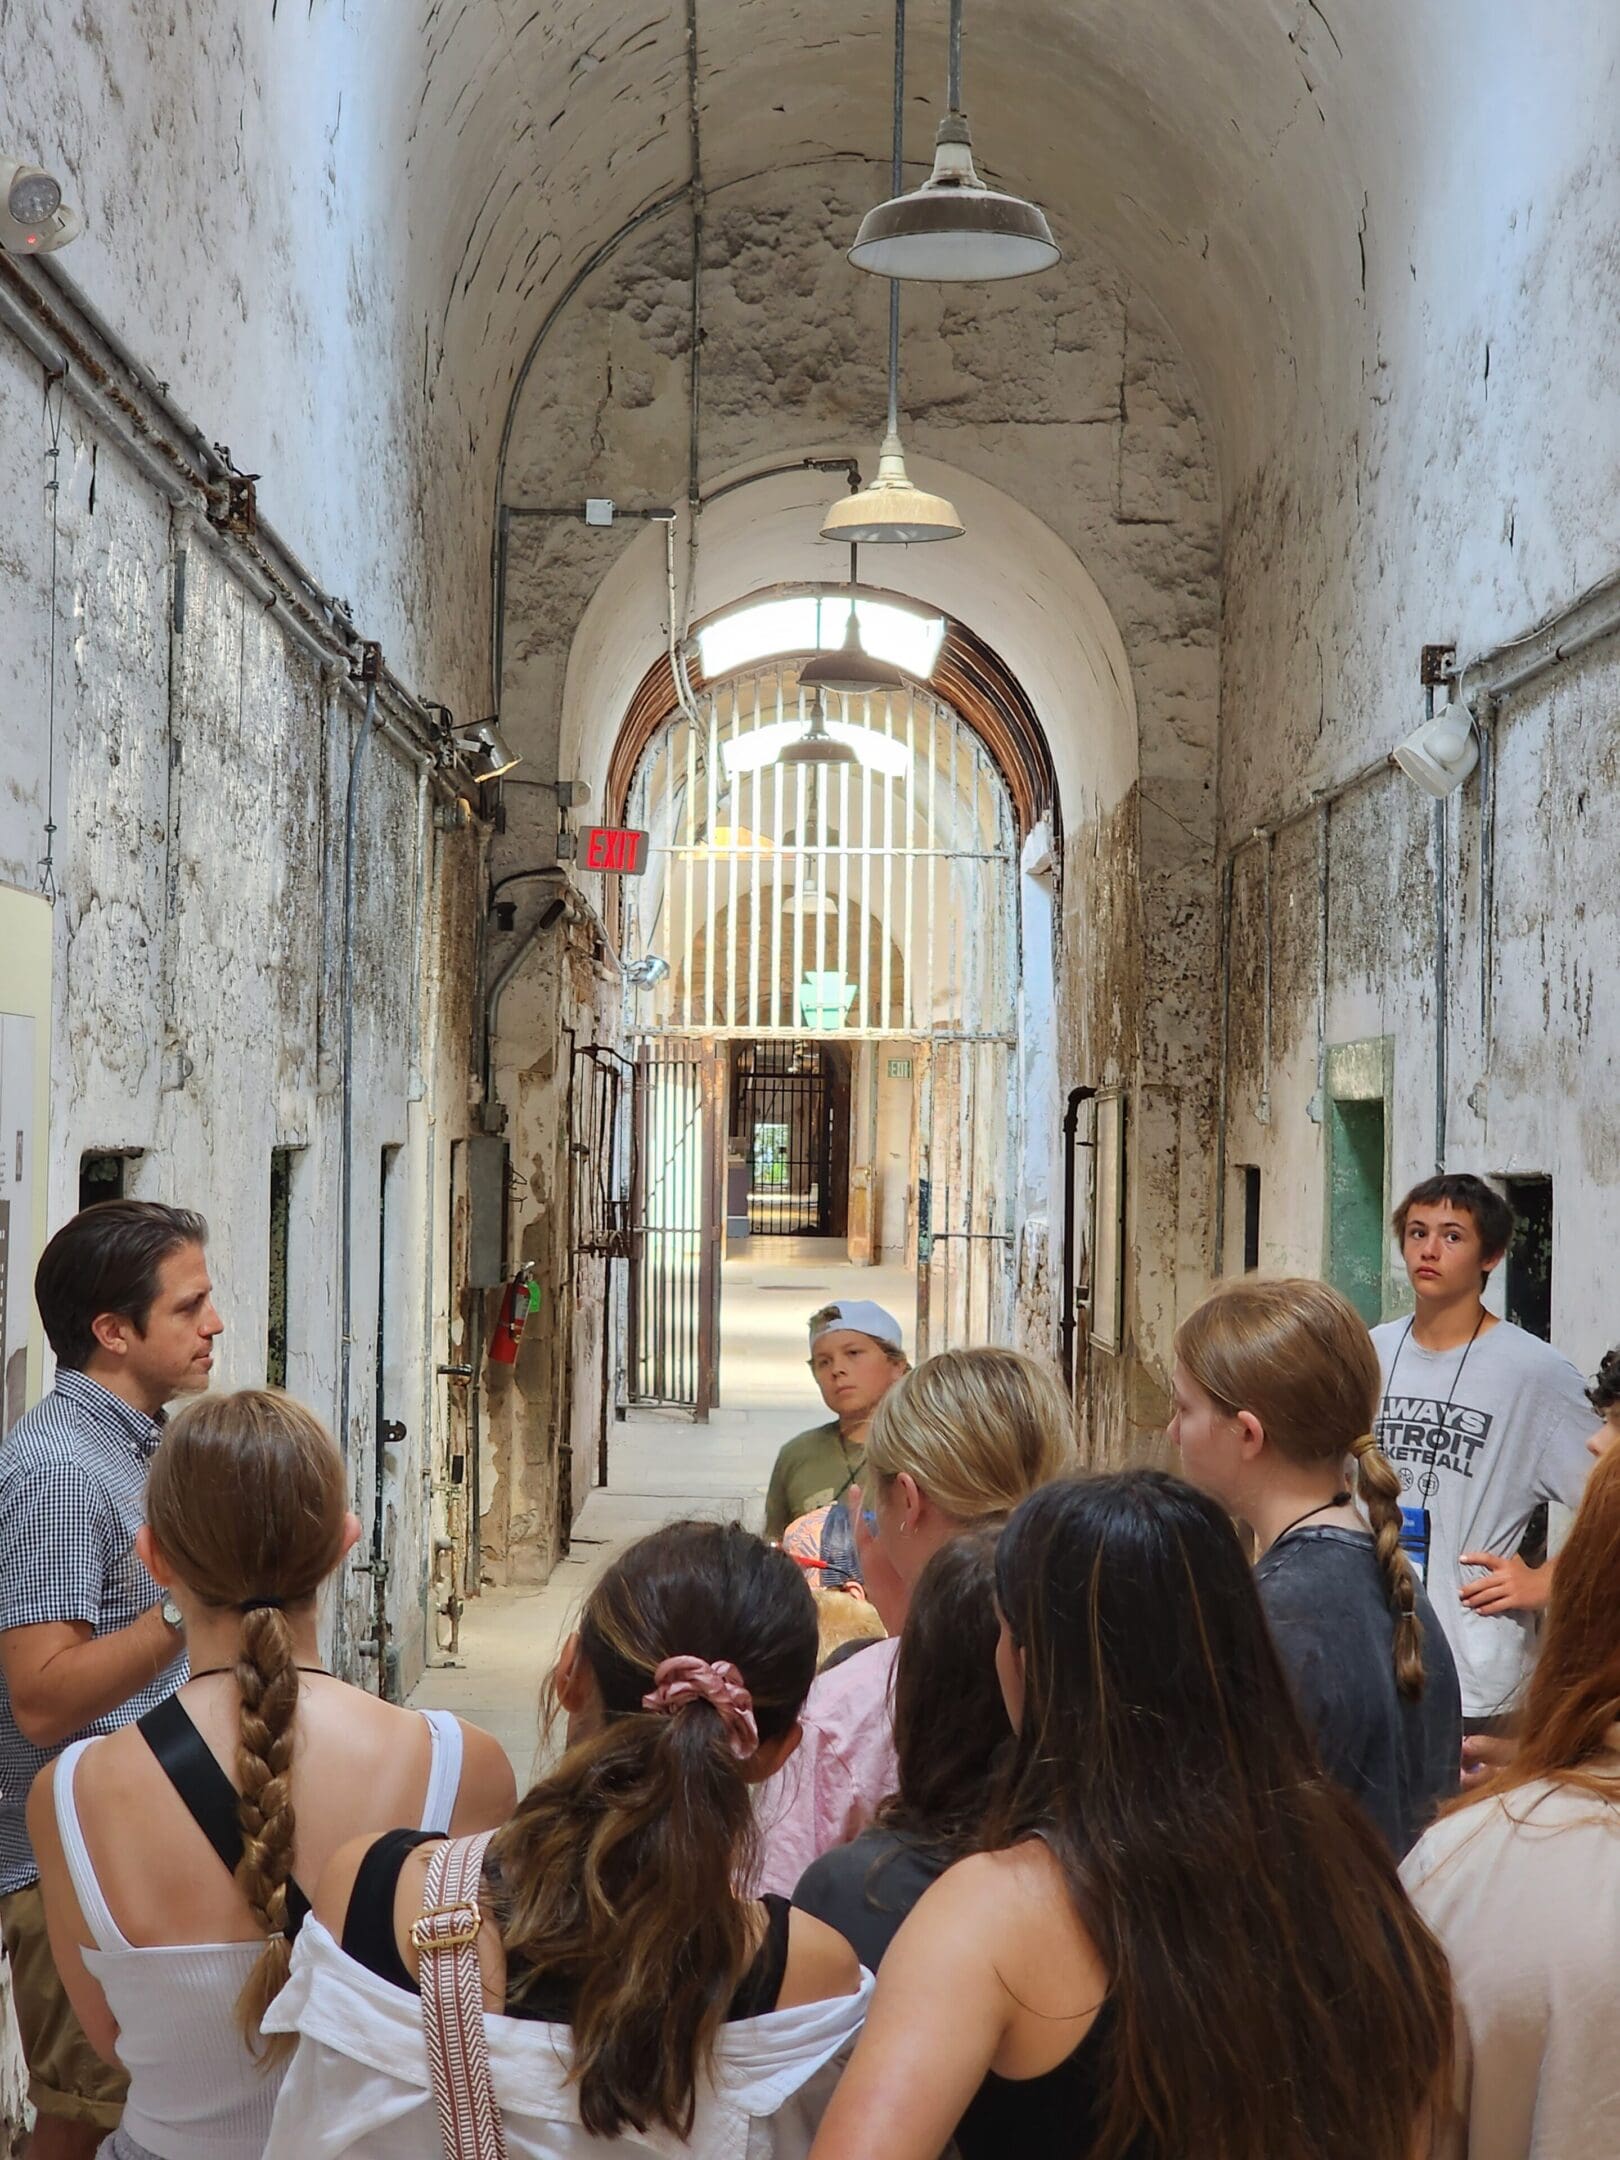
815, 746
851, 669
954, 229
891, 512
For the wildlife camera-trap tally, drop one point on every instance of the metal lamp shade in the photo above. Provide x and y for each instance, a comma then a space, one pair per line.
891, 512
953, 229
816, 747
851, 669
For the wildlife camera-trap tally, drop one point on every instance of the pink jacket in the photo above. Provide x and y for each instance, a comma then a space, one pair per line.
844, 1767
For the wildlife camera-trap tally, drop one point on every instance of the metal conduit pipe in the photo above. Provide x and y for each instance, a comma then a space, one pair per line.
1505, 668
581, 910
1318, 803
170, 453
351, 832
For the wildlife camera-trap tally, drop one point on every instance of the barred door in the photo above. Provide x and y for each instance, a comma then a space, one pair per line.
676, 1227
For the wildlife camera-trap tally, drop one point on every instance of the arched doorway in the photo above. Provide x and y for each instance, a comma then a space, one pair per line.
841, 939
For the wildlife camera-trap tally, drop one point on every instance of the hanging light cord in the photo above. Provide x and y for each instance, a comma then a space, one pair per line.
897, 182
953, 79
53, 488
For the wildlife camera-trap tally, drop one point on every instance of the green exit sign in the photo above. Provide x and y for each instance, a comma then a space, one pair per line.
899, 1068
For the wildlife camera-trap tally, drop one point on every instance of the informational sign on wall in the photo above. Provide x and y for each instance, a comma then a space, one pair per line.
25, 1026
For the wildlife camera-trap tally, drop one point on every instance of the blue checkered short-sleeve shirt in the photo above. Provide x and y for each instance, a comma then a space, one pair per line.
72, 1496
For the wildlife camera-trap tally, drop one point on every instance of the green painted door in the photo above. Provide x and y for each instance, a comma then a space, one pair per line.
1356, 1204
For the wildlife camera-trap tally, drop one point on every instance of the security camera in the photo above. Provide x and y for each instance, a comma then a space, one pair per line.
34, 220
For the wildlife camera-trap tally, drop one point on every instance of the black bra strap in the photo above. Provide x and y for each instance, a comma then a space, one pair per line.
211, 1800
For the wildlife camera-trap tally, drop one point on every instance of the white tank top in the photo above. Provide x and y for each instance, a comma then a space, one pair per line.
194, 2091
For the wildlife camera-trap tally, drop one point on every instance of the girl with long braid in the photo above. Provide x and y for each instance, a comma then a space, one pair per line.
1276, 1387
175, 1854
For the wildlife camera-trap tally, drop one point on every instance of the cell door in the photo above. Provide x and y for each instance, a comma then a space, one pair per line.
677, 1220
965, 1186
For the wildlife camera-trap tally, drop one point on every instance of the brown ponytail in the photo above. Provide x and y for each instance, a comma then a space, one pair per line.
1380, 1490
616, 1879
246, 1500
1298, 1355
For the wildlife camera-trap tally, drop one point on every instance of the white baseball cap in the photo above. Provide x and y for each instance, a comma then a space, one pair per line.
861, 1316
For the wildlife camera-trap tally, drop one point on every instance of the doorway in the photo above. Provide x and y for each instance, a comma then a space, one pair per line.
1359, 1086
790, 1127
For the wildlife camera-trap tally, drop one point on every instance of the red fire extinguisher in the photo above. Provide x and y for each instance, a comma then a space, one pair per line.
521, 1300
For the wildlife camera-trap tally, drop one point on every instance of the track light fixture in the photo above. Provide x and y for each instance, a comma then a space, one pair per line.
1442, 753
954, 229
485, 749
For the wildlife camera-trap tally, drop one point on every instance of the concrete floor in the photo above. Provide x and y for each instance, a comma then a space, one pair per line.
661, 1467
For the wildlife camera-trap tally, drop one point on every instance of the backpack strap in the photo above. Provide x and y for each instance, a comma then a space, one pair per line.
446, 1940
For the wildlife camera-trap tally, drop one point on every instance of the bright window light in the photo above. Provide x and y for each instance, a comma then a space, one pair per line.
815, 622
762, 746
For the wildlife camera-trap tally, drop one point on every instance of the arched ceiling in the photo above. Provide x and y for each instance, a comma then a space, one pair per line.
1228, 151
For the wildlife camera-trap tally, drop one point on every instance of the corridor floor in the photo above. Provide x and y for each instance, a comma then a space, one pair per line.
660, 1467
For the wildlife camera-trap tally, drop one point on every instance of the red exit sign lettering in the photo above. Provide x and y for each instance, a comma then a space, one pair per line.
616, 848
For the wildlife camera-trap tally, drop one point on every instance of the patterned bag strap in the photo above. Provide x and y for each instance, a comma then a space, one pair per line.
446, 1940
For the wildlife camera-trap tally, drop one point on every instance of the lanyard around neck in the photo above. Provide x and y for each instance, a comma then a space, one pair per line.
1456, 1381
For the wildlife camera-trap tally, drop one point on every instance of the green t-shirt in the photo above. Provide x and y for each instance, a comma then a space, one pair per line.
810, 1471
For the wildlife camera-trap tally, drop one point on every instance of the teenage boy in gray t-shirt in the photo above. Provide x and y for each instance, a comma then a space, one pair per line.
1483, 1422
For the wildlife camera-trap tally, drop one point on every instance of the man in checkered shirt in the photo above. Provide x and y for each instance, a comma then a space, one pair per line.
87, 1640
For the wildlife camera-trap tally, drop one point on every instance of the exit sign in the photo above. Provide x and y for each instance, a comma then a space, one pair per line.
899, 1068
616, 848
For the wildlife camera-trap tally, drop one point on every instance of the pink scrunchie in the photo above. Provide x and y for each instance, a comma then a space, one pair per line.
693, 1679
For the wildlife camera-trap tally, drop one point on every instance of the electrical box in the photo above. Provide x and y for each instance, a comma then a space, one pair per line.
487, 1175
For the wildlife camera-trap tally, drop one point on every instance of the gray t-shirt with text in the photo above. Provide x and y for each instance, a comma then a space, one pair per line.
1479, 1437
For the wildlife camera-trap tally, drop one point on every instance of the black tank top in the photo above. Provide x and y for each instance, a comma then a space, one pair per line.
1054, 2117
368, 1937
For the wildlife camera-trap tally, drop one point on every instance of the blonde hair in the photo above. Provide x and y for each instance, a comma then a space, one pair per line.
842, 1618
979, 1430
247, 1498
1298, 1356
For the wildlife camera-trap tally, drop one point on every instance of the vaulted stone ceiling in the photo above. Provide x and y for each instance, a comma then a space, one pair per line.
1227, 152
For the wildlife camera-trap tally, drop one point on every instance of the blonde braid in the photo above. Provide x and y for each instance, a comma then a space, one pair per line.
267, 1676
1381, 1495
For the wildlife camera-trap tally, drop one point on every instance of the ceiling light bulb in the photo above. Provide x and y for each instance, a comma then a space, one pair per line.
954, 229
891, 512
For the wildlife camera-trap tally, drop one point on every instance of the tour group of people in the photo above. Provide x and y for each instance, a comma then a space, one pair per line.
1266, 1809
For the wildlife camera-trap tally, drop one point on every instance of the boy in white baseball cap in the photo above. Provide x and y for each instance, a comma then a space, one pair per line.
857, 1353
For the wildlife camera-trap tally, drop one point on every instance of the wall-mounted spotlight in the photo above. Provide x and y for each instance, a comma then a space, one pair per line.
34, 220
553, 912
647, 972
1443, 752
485, 749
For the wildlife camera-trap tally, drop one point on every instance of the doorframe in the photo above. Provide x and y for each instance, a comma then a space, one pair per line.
1363, 1071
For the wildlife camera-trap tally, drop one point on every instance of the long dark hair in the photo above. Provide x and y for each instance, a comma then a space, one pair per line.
950, 1723
617, 1874
1275, 1997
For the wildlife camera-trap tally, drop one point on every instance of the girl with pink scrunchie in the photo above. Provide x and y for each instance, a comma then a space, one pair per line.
633, 1996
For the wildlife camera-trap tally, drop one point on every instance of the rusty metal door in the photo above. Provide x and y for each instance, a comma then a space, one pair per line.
677, 1221
965, 1239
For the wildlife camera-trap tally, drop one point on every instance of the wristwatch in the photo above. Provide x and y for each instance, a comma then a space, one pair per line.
172, 1615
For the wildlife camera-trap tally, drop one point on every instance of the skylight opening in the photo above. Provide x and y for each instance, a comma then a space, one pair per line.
815, 622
